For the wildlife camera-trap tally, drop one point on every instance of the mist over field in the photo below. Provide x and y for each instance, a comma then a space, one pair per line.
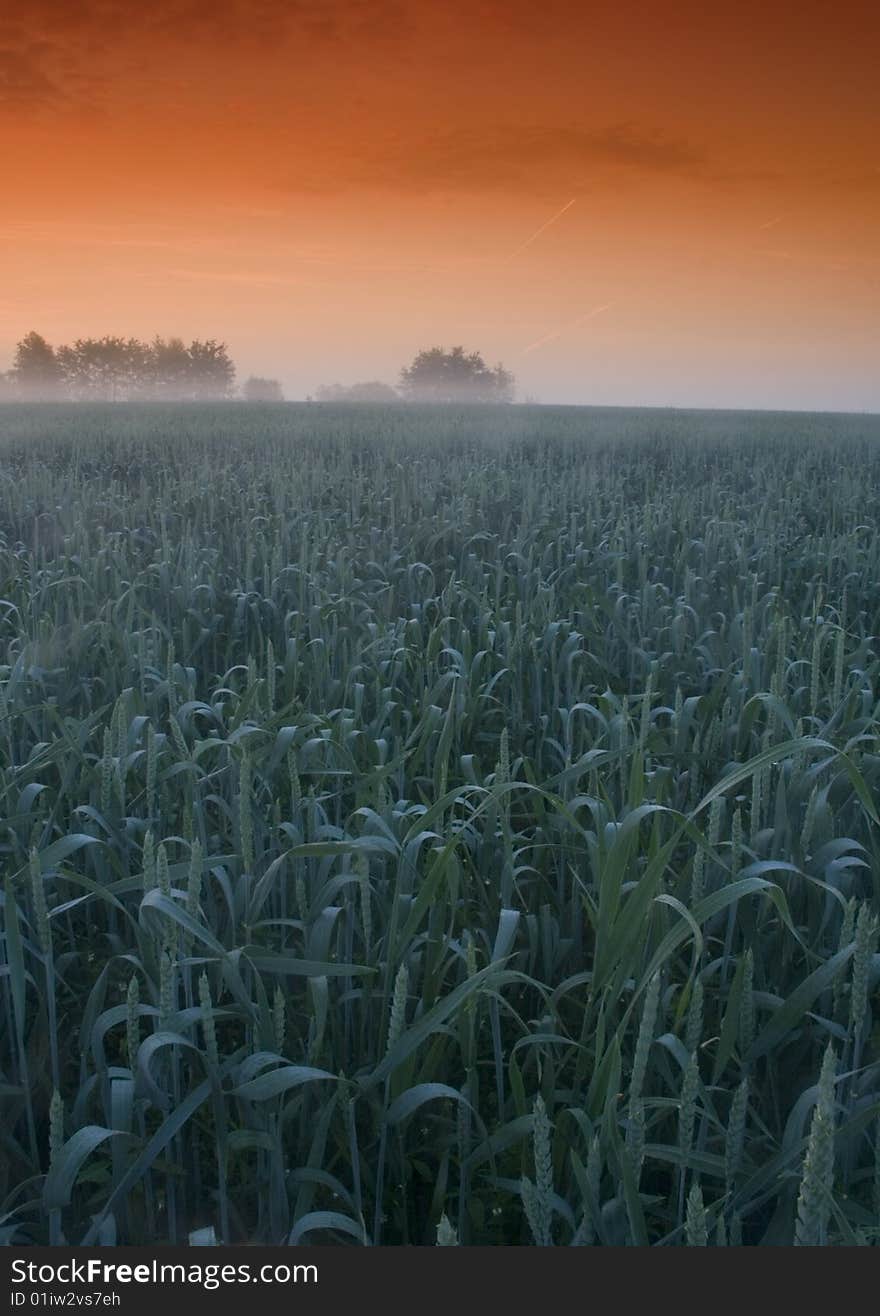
444, 824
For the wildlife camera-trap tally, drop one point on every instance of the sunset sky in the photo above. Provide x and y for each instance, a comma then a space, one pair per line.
627, 203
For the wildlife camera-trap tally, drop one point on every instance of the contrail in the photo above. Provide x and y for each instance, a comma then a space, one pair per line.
771, 223
572, 324
543, 229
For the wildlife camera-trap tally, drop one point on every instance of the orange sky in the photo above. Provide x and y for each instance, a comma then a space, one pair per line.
331, 186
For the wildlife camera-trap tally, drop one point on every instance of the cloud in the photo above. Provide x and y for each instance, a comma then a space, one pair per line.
98, 25
24, 84
525, 157
517, 153
97, 48
326, 96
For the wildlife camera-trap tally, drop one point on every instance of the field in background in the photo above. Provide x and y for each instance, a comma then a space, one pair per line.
418, 818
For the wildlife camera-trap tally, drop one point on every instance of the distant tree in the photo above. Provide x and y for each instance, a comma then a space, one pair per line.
174, 372
36, 371
455, 376
212, 373
108, 369
371, 390
257, 389
6, 387
169, 368
123, 369
331, 393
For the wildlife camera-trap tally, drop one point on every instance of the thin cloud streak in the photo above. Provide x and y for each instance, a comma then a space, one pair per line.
543, 229
572, 324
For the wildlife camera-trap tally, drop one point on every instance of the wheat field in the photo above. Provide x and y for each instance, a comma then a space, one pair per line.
439, 826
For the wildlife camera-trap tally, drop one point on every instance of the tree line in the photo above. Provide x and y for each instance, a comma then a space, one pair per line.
118, 369
435, 375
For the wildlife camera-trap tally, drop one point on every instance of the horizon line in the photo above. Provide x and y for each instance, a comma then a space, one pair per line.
61, 403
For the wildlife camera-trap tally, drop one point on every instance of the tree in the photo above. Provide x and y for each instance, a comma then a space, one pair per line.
370, 390
118, 369
169, 370
108, 369
36, 371
212, 373
331, 393
257, 389
174, 372
455, 376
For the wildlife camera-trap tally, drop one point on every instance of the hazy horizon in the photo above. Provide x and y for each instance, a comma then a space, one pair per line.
624, 207
158, 400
